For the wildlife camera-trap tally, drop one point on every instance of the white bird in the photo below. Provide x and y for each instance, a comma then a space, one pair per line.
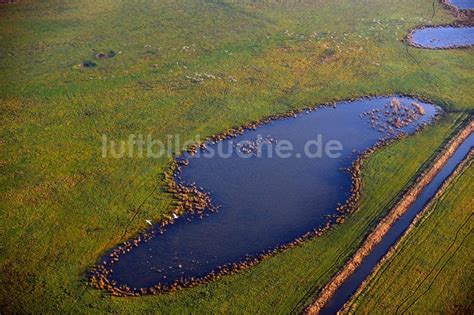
149, 222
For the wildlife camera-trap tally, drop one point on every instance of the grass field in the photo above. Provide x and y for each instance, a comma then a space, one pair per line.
432, 269
62, 205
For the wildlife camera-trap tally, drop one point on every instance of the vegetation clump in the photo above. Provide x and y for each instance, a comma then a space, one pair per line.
87, 64
105, 55
395, 116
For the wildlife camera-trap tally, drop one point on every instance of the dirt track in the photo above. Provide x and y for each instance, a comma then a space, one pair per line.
422, 215
384, 226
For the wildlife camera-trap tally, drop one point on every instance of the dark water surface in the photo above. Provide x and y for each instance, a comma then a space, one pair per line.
344, 293
265, 202
463, 4
444, 37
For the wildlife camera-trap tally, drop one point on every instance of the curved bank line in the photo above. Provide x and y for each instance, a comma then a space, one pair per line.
465, 19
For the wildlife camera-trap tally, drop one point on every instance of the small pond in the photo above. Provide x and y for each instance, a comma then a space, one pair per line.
463, 4
443, 37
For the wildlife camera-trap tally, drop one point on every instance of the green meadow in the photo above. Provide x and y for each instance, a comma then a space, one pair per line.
62, 205
431, 270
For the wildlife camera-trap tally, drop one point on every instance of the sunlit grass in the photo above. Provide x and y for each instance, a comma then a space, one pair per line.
431, 271
62, 204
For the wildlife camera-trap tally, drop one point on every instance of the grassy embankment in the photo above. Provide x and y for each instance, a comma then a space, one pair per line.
62, 205
431, 270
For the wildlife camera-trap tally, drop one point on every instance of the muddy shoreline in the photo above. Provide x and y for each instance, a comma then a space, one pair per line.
190, 199
422, 215
385, 224
461, 14
465, 18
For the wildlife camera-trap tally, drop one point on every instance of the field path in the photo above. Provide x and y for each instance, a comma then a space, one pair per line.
384, 226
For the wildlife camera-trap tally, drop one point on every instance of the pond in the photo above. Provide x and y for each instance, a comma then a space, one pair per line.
441, 37
463, 4
267, 197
